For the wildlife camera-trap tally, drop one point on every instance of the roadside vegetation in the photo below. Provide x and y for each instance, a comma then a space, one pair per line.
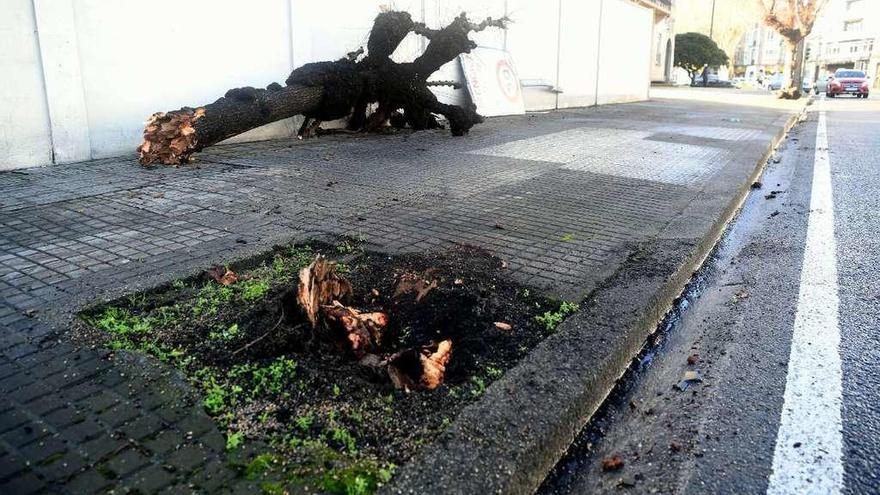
298, 410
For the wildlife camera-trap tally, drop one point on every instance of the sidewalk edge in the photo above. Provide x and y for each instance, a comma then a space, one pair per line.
468, 458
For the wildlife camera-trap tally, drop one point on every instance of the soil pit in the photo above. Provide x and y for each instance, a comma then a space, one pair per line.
310, 416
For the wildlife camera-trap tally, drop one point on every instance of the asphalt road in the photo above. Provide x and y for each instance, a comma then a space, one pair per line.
782, 330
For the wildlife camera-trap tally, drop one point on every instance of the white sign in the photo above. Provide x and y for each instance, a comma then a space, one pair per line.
492, 82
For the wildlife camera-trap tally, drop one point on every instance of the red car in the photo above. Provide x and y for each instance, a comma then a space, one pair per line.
848, 81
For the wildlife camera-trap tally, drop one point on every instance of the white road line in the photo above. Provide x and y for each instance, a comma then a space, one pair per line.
809, 445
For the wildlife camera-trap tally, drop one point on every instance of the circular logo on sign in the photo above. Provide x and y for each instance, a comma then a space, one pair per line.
507, 80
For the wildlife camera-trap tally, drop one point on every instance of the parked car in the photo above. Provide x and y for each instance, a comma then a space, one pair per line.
807, 86
822, 84
775, 83
848, 81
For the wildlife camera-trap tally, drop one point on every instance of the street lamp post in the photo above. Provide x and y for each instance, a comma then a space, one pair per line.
712, 22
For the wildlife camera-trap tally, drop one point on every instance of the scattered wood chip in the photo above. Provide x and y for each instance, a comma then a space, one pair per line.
419, 283
690, 378
693, 359
320, 285
420, 368
674, 446
504, 327
613, 463
222, 275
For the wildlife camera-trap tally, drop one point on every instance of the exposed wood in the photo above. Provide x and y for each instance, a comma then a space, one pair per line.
324, 91
170, 138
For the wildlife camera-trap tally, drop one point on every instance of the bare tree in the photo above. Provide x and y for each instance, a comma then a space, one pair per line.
731, 21
793, 20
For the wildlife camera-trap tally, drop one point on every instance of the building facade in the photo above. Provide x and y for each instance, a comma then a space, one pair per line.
846, 35
662, 39
761, 53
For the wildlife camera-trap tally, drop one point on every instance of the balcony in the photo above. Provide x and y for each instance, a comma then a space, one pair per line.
663, 7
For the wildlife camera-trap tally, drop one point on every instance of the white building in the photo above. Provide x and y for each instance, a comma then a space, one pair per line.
761, 52
662, 39
846, 35
81, 76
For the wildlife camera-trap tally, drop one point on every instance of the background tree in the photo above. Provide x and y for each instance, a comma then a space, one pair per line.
692, 50
731, 20
793, 20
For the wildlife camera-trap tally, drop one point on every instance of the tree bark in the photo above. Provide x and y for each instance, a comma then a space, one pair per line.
797, 64
171, 138
796, 77
324, 91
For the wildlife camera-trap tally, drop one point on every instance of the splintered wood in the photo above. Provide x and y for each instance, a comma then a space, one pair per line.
320, 285
222, 275
321, 294
169, 136
423, 368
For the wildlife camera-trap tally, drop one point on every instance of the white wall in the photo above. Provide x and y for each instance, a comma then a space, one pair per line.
81, 76
579, 52
24, 119
625, 52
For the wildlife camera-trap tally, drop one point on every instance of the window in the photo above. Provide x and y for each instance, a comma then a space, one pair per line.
853, 26
659, 59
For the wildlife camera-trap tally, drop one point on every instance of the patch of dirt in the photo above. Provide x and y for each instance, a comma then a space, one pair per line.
321, 418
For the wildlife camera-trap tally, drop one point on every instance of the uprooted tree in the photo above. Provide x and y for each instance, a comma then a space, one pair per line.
323, 91
793, 20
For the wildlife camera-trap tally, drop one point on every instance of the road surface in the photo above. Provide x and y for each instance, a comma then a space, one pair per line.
782, 328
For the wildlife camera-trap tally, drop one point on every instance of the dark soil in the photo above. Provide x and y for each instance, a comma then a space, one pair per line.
321, 419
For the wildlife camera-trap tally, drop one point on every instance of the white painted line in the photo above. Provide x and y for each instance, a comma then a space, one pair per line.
809, 445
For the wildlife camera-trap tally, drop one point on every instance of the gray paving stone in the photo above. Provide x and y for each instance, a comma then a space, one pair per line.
571, 191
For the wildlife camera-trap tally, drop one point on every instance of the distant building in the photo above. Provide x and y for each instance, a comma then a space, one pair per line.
662, 39
846, 35
761, 52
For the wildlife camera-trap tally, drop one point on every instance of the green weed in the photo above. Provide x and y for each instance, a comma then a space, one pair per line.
304, 422
552, 319
234, 440
493, 373
360, 479
345, 438
210, 298
258, 465
226, 334
253, 289
120, 322
345, 247
479, 386
272, 488
567, 237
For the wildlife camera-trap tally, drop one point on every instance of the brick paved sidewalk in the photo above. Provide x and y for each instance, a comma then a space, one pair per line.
564, 197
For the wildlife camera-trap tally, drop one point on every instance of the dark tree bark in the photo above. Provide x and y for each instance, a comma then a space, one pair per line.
328, 91
171, 138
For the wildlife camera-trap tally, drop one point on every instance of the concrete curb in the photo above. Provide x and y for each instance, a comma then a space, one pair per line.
507, 442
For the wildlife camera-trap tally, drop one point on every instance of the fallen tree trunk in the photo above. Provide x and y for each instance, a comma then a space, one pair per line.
171, 138
324, 91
